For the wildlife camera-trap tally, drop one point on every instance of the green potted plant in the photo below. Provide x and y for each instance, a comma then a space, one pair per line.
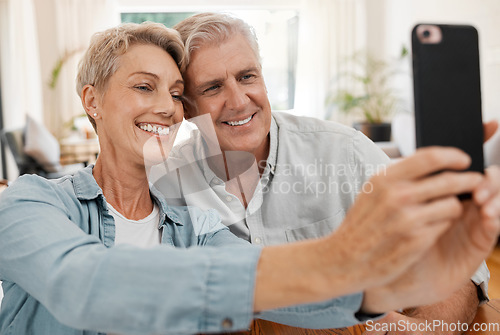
369, 98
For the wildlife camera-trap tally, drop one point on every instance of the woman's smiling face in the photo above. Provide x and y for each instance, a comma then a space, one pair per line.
141, 103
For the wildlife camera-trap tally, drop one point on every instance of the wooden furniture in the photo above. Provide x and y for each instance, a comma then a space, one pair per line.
488, 315
262, 327
75, 151
3, 185
493, 263
486, 322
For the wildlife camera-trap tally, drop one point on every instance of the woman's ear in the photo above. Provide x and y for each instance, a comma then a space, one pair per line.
90, 101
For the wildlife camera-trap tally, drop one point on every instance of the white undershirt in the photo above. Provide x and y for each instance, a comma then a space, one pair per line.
140, 233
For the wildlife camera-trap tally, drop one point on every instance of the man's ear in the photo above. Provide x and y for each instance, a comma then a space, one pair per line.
90, 101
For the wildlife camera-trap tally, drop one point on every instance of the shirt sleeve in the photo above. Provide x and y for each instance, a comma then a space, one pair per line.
369, 157
481, 279
336, 313
123, 289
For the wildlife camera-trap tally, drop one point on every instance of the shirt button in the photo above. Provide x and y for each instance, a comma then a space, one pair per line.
229, 198
227, 324
258, 240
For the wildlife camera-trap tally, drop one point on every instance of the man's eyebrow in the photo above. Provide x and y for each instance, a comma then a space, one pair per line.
250, 69
218, 81
209, 83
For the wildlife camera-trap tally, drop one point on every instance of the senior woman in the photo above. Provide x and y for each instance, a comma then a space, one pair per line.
101, 251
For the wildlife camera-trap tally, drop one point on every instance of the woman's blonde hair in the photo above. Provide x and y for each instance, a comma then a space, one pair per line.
211, 29
101, 60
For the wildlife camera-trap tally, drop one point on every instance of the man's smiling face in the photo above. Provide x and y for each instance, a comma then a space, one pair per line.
225, 80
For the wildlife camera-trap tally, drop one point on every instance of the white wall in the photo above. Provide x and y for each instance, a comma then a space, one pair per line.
388, 26
20, 75
49, 52
402, 15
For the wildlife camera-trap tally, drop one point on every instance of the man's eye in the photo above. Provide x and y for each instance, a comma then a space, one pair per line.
247, 76
211, 88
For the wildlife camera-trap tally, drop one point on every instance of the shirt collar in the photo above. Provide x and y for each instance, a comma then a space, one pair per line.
84, 184
164, 208
273, 148
86, 188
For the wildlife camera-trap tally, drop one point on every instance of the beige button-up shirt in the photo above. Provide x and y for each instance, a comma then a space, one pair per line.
313, 173
311, 177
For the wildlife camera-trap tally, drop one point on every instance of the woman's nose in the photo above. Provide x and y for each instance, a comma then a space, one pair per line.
165, 105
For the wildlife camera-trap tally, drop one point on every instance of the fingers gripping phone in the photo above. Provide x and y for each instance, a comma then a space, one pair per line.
447, 90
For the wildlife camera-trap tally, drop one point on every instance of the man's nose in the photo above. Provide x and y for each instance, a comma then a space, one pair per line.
237, 98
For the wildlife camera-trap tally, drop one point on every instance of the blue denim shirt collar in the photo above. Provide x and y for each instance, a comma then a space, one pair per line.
85, 185
86, 188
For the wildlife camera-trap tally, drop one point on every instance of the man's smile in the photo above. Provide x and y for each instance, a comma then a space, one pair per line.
240, 122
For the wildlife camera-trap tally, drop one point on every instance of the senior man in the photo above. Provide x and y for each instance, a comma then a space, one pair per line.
274, 177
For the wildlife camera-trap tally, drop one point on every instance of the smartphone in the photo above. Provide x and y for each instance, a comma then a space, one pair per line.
447, 90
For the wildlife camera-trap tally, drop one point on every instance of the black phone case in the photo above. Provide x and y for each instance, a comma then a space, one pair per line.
447, 92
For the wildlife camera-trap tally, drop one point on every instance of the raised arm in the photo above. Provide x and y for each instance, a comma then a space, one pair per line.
389, 229
206, 289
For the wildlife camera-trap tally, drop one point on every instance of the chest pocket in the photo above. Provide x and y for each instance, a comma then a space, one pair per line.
316, 229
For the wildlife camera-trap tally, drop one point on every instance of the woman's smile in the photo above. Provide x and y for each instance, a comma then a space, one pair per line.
154, 129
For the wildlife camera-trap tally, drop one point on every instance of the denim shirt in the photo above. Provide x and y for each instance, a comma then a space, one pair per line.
62, 273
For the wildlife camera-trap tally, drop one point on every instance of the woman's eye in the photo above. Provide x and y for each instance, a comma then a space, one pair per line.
146, 88
177, 97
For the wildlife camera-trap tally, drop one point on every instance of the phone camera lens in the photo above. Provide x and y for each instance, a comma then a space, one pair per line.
426, 33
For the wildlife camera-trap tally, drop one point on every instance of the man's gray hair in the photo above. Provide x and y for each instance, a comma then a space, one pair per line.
213, 28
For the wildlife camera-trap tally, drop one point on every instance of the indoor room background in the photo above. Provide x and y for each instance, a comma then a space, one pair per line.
304, 47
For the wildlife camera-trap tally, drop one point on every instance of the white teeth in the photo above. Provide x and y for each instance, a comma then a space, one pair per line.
239, 123
155, 129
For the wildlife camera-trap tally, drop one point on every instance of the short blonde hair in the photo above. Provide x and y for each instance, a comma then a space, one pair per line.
213, 28
101, 60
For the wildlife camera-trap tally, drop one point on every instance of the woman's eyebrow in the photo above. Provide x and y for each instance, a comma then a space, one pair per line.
177, 82
144, 73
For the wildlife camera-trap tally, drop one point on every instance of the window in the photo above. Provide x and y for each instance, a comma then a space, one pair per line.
168, 19
277, 32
